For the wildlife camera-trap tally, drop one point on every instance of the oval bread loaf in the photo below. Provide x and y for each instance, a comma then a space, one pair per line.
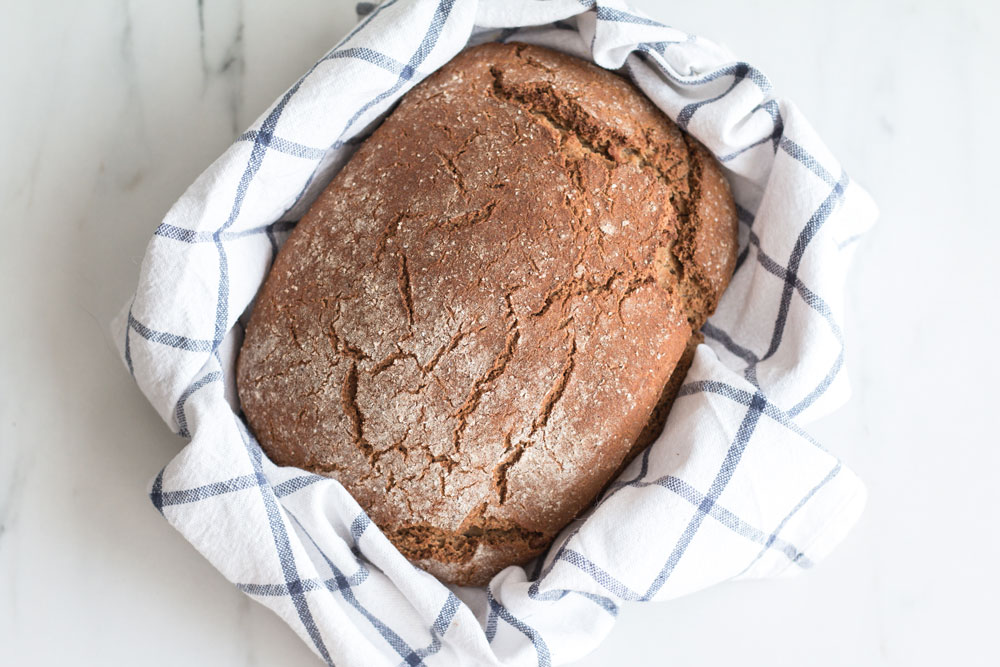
475, 326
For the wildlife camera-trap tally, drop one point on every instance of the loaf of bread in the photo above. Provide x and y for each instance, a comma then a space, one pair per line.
485, 315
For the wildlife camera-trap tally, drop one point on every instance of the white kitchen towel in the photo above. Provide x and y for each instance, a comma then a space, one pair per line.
733, 489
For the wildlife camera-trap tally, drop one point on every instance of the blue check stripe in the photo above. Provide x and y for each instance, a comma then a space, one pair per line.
270, 229
722, 478
491, 622
368, 18
811, 163
498, 611
706, 505
175, 233
408, 71
777, 131
811, 298
165, 338
823, 385
508, 34
270, 141
540, 574
728, 157
285, 146
179, 414
717, 334
306, 585
749, 71
283, 546
849, 240
798, 506
728, 519
261, 143
128, 341
688, 492
190, 236
662, 46
345, 588
359, 526
607, 581
746, 218
757, 405
438, 629
792, 282
745, 398
376, 58
163, 499
554, 595
156, 493
183, 496
290, 486
619, 16
739, 73
814, 301
717, 512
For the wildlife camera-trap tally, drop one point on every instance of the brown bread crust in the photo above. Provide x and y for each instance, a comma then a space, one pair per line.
477, 323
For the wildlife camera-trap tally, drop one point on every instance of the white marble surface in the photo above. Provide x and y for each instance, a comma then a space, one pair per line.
109, 109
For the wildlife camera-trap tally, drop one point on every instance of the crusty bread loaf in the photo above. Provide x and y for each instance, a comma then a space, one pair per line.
476, 324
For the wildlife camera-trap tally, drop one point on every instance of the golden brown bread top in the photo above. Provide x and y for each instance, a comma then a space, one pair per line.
472, 326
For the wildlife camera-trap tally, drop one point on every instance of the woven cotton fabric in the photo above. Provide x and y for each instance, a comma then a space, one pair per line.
734, 488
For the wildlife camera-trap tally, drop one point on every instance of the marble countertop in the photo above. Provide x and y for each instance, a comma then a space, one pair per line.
110, 109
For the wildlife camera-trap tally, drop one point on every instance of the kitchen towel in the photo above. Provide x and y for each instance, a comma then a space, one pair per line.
733, 489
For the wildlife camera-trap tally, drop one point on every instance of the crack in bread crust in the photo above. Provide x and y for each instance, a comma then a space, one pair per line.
486, 314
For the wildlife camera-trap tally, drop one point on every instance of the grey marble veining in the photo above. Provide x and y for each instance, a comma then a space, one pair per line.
220, 45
